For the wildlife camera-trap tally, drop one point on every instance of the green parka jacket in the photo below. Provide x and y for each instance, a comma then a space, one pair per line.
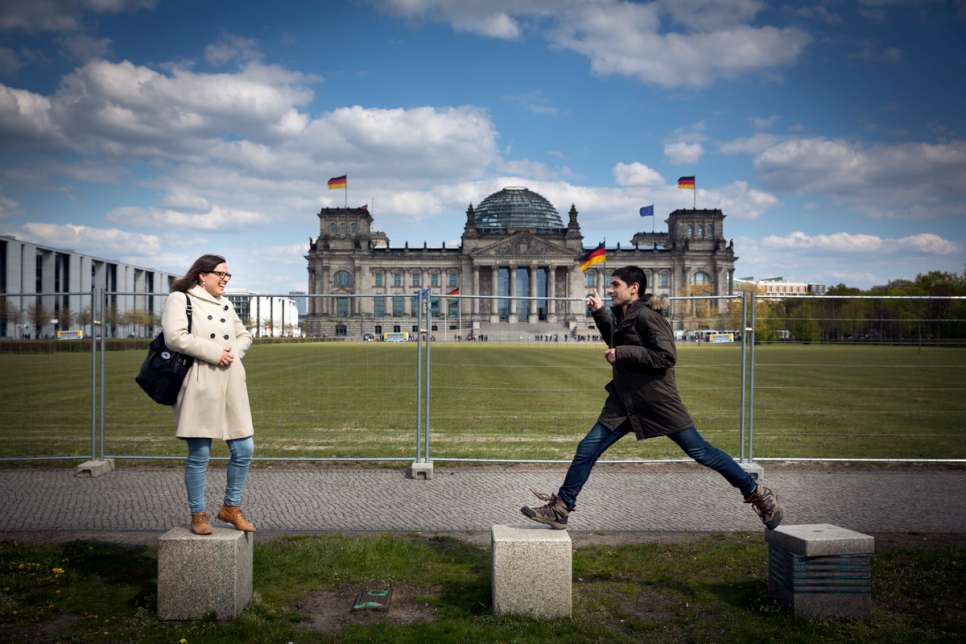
643, 391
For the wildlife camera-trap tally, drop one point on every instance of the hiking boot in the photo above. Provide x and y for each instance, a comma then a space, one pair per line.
766, 505
554, 513
233, 515
199, 523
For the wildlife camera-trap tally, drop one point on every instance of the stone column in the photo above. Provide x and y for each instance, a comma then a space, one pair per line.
494, 291
324, 288
551, 293
533, 316
476, 290
512, 292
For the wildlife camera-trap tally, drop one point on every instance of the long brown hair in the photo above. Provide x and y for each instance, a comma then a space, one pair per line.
204, 264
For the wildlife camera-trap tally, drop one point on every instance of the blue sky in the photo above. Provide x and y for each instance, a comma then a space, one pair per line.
832, 135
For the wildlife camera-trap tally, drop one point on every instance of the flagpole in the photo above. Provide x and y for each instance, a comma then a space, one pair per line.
694, 204
346, 190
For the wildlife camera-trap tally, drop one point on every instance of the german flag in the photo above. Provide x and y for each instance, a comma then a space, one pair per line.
336, 183
593, 257
686, 183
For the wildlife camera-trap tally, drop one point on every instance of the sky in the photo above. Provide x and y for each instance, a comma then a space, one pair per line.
832, 135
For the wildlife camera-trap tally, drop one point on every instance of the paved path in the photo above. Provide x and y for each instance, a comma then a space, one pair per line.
681, 499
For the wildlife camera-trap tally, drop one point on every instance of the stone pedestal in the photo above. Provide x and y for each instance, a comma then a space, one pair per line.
756, 471
198, 575
93, 469
821, 570
421, 470
532, 571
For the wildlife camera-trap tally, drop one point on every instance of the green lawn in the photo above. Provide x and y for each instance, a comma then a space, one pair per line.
509, 401
712, 590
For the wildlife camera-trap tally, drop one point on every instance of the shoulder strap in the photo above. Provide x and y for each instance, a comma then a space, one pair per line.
187, 309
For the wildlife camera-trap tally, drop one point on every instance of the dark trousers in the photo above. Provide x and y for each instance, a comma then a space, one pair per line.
600, 437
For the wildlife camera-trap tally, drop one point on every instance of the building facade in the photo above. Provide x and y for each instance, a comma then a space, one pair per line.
266, 315
28, 269
778, 286
514, 245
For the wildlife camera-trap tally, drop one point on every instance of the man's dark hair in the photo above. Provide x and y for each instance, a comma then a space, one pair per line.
631, 274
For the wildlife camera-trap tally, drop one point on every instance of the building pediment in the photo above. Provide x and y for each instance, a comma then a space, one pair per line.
523, 244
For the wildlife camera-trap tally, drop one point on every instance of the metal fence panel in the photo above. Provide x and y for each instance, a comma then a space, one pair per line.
859, 378
47, 396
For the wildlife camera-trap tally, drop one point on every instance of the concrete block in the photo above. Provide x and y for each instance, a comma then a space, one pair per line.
198, 575
821, 570
93, 469
532, 571
756, 471
421, 470
820, 539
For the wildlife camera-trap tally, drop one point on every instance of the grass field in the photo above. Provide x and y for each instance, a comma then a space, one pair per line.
711, 590
509, 401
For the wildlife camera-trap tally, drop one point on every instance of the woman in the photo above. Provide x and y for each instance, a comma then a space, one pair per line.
213, 402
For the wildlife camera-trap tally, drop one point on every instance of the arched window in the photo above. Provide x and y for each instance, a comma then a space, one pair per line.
700, 278
417, 278
378, 277
700, 231
452, 279
353, 229
343, 279
342, 227
341, 330
434, 279
397, 279
333, 229
590, 278
710, 230
665, 281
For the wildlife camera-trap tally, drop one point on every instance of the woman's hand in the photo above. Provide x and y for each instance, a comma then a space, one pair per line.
226, 357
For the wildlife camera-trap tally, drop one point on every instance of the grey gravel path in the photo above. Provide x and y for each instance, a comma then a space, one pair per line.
471, 499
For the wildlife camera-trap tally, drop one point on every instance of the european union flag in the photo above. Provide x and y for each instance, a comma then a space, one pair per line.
647, 211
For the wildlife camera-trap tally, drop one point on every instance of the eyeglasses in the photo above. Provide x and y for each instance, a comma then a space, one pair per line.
221, 275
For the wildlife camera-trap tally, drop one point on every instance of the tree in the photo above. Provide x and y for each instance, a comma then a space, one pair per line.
84, 319
38, 316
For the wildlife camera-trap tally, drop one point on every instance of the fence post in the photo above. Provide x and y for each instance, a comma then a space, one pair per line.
422, 467
428, 303
93, 372
103, 354
744, 377
751, 389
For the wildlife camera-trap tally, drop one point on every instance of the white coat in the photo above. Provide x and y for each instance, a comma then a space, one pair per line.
213, 402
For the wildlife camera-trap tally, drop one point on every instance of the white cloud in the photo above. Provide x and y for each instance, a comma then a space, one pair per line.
217, 218
682, 153
871, 52
61, 15
901, 180
764, 122
753, 144
925, 243
84, 47
625, 38
109, 242
231, 47
26, 117
8, 207
636, 174
10, 62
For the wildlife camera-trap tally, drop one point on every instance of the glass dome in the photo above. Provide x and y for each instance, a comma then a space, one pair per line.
516, 208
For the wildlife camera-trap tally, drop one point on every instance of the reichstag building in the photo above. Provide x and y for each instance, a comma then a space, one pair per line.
514, 245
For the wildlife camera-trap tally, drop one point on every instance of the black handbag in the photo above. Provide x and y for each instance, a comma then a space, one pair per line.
162, 372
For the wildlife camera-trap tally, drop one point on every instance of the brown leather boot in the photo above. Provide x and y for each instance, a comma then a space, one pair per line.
199, 523
233, 515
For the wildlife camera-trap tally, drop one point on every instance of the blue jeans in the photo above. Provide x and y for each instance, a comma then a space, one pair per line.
196, 470
600, 437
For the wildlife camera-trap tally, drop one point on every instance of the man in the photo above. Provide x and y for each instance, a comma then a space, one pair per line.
643, 398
